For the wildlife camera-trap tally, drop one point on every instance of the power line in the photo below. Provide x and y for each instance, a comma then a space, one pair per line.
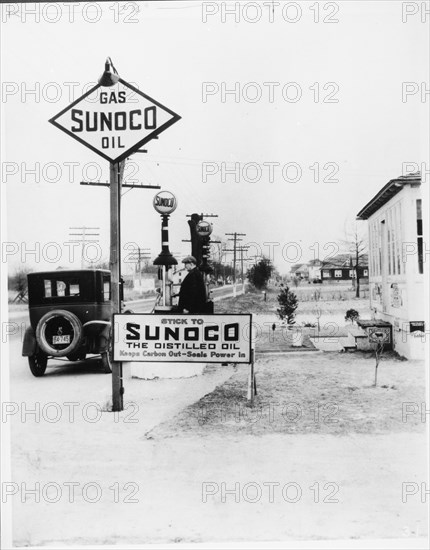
235, 239
83, 234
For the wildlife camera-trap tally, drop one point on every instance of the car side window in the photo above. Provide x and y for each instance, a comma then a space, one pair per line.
48, 288
74, 289
61, 288
106, 288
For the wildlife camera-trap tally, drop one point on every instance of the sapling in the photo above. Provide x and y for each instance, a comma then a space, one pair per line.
379, 348
378, 338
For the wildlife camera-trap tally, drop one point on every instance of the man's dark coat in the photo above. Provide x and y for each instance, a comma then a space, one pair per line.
192, 295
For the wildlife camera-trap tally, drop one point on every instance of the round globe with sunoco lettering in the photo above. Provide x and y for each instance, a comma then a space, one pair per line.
165, 202
204, 229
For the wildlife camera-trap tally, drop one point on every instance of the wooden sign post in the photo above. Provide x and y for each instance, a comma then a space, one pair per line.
116, 170
114, 119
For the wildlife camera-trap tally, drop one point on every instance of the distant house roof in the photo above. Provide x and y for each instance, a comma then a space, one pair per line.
315, 262
345, 261
387, 192
341, 260
297, 268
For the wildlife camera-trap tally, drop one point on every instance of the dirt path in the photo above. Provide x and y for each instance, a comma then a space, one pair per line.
230, 489
155, 474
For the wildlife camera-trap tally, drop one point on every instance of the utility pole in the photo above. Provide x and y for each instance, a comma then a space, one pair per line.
242, 249
255, 258
235, 240
83, 234
116, 172
109, 147
138, 256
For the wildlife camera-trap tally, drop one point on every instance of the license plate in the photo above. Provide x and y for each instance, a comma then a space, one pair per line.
64, 339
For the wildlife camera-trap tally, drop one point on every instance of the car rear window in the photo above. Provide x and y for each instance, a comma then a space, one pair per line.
57, 288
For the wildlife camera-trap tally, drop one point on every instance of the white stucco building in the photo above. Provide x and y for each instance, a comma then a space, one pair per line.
398, 272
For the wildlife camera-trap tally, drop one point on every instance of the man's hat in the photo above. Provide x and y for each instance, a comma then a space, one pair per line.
189, 260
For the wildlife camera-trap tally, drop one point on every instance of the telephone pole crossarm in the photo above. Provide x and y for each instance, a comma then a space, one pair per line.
235, 239
131, 185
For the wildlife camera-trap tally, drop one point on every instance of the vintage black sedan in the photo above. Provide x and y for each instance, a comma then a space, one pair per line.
70, 316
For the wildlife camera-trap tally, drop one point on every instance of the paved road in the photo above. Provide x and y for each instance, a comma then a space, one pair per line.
217, 293
145, 305
13, 332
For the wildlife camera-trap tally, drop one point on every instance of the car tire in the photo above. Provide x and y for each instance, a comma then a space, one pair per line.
38, 363
106, 362
41, 336
107, 355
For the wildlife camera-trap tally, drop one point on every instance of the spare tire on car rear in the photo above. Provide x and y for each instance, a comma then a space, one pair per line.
59, 333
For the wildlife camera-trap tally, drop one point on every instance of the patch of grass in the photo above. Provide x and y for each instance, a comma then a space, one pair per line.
251, 302
278, 340
308, 393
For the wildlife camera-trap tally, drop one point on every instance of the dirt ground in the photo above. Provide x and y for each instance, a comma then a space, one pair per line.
310, 393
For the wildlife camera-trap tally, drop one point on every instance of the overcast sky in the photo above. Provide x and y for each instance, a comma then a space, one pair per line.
334, 104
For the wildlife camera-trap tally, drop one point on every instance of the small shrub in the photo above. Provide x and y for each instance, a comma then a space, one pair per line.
352, 315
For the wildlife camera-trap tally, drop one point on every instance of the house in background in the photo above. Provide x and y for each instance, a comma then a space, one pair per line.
314, 269
335, 270
299, 271
341, 268
396, 263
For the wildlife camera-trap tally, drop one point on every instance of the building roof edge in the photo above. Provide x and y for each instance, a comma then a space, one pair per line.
387, 192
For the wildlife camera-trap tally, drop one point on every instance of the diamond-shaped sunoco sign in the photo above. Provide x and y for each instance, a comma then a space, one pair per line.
114, 121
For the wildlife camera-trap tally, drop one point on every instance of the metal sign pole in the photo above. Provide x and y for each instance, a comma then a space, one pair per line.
165, 203
164, 284
115, 268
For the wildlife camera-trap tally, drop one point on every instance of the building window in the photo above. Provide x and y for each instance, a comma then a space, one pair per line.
394, 236
390, 242
378, 246
352, 273
398, 217
420, 236
365, 273
338, 273
326, 274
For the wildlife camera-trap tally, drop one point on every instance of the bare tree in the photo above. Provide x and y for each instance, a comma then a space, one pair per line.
18, 283
355, 244
217, 248
218, 256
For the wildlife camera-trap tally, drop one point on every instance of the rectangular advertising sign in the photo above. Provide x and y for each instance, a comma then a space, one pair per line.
182, 338
416, 326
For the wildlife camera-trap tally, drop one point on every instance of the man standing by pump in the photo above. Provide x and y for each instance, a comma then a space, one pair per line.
192, 296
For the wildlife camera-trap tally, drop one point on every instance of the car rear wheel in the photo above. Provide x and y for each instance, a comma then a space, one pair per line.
59, 333
38, 363
107, 355
106, 362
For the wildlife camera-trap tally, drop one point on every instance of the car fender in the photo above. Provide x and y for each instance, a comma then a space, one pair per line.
29, 345
104, 334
